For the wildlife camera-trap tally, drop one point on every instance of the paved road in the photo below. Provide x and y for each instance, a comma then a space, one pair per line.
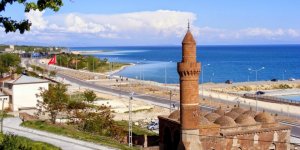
160, 101
165, 102
11, 125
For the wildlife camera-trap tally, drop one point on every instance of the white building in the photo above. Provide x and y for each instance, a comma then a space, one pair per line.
8, 50
12, 47
23, 91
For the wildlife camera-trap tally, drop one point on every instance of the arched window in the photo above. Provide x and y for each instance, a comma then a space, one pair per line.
272, 147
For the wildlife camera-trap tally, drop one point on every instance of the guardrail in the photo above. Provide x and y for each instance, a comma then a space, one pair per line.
272, 99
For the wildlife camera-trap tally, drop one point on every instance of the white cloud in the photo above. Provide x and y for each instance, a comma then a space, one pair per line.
37, 20
137, 28
249, 35
293, 33
263, 32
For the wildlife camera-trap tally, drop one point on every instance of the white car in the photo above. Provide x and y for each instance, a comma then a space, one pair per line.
153, 125
292, 79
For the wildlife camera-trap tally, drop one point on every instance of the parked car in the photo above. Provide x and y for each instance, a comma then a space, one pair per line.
260, 92
274, 80
153, 125
228, 82
292, 79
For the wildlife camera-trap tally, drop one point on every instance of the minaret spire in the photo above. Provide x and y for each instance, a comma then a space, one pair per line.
188, 24
189, 71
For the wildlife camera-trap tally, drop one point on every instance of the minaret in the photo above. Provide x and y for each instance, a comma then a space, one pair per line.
189, 70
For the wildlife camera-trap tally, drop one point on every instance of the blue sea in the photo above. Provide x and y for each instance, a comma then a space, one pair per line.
158, 63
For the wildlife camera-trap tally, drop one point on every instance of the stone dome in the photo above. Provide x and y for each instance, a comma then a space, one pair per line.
238, 110
264, 117
225, 121
219, 111
175, 115
212, 116
245, 119
204, 121
203, 113
232, 114
250, 113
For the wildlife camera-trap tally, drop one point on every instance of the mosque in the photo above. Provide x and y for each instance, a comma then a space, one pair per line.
192, 129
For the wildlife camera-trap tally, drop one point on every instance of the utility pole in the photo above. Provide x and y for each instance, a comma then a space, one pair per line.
2, 115
165, 75
93, 65
256, 94
202, 76
170, 101
76, 62
130, 121
60, 60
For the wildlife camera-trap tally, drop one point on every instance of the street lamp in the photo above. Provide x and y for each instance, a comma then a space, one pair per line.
112, 64
202, 78
143, 69
166, 73
130, 120
256, 70
212, 75
171, 94
283, 74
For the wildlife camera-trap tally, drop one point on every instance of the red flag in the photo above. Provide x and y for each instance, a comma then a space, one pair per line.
52, 60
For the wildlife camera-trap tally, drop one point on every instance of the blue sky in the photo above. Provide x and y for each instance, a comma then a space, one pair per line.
145, 22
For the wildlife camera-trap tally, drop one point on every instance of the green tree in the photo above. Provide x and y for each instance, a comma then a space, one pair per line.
55, 100
89, 96
8, 62
100, 121
11, 25
52, 73
92, 63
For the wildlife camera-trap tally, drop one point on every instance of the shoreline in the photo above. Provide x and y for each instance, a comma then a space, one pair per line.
112, 73
207, 86
224, 98
88, 52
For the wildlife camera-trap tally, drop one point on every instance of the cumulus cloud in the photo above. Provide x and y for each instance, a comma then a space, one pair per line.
37, 20
136, 28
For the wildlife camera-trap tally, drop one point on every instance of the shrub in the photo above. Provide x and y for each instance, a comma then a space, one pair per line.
284, 86
13, 142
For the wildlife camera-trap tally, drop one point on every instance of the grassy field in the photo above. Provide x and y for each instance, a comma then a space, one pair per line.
107, 67
12, 142
73, 132
90, 63
135, 129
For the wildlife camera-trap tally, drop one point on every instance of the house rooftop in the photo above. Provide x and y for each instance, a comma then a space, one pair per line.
2, 94
23, 79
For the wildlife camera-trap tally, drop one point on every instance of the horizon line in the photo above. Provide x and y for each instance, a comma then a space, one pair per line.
181, 45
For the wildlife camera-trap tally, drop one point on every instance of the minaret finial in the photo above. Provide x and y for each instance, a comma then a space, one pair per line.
188, 24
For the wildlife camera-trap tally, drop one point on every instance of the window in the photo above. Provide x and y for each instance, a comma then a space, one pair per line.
272, 147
